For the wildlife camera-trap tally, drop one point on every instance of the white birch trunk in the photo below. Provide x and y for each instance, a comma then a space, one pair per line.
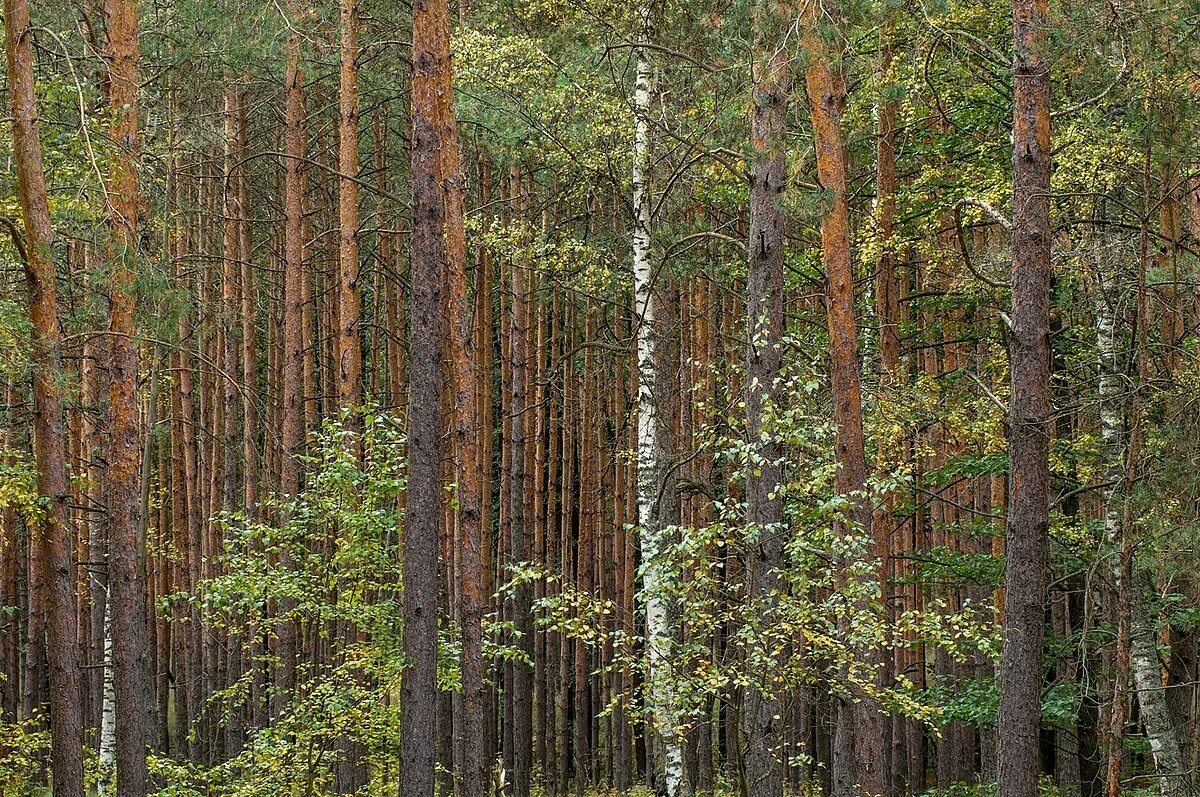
1152, 700
108, 705
1147, 673
659, 634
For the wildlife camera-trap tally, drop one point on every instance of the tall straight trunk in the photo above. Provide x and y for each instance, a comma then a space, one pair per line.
234, 210
92, 392
861, 763
552, 743
762, 708
251, 461
56, 561
668, 764
231, 256
126, 565
191, 468
537, 489
468, 434
505, 604
584, 562
433, 132
518, 516
887, 282
150, 413
180, 650
292, 366
1027, 532
888, 292
484, 345
567, 488
349, 304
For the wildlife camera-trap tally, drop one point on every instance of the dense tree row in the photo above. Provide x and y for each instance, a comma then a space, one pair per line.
706, 398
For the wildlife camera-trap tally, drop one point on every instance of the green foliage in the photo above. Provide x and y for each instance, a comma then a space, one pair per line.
341, 536
19, 486
23, 748
825, 626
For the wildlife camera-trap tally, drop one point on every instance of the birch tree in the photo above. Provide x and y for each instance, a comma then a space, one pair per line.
660, 633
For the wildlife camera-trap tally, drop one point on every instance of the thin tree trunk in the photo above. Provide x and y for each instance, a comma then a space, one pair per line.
251, 464
888, 292
294, 336
1112, 433
349, 299
522, 682
468, 434
668, 764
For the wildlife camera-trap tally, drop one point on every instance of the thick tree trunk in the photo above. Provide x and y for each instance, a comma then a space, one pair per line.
127, 576
1029, 409
762, 707
860, 761
55, 571
433, 130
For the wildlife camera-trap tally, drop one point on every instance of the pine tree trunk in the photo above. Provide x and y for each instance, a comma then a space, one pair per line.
467, 435
762, 705
294, 337
860, 760
127, 577
518, 517
251, 459
54, 562
432, 134
349, 299
1029, 408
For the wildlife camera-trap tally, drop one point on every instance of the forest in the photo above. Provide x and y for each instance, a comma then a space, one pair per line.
663, 398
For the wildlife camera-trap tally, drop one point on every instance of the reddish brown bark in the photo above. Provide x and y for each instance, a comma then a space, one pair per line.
293, 360
860, 764
468, 437
252, 462
126, 570
55, 565
518, 517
